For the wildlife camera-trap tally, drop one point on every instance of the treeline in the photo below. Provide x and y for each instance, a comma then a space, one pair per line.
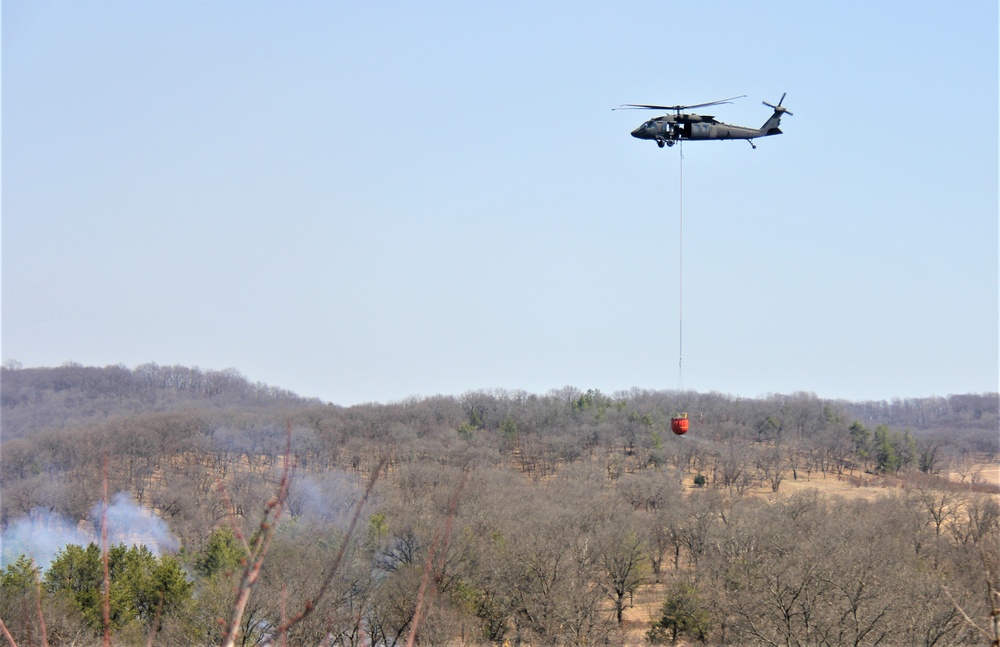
955, 411
530, 519
35, 399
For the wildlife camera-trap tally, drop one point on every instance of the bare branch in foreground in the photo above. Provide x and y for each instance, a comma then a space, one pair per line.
328, 580
231, 517
106, 602
38, 603
6, 634
962, 612
429, 564
156, 622
261, 544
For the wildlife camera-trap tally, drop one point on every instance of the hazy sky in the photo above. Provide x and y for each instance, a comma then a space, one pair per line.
365, 201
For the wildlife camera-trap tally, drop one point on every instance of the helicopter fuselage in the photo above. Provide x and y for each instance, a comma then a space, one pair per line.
669, 129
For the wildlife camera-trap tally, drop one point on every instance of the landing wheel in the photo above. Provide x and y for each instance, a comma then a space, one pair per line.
659, 142
670, 143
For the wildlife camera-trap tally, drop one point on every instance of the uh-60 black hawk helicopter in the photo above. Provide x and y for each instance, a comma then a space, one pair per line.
681, 126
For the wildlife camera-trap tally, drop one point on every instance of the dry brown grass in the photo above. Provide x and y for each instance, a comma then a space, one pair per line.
984, 472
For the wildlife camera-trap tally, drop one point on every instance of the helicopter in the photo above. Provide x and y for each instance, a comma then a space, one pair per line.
680, 126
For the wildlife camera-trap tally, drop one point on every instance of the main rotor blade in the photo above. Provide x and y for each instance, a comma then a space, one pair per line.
638, 106
712, 103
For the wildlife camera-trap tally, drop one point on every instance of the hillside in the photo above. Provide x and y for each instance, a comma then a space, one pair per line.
969, 411
35, 399
564, 518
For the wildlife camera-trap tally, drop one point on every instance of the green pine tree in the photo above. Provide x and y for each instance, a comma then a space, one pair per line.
680, 615
222, 554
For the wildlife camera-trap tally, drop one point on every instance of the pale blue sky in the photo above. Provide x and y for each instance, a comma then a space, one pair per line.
365, 201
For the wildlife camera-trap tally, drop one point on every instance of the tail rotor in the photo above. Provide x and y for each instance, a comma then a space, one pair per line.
779, 108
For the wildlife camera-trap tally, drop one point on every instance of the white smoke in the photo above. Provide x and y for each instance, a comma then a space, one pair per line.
41, 534
327, 498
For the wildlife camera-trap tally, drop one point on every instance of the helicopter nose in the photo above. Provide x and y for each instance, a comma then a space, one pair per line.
637, 133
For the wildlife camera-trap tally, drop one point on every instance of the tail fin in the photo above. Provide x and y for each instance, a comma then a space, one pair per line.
770, 126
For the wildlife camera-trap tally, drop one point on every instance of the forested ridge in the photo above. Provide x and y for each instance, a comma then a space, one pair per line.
496, 517
36, 399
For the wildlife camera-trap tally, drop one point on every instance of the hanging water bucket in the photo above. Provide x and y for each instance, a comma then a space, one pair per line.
679, 424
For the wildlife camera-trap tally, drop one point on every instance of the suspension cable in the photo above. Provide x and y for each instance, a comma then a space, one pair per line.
680, 275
